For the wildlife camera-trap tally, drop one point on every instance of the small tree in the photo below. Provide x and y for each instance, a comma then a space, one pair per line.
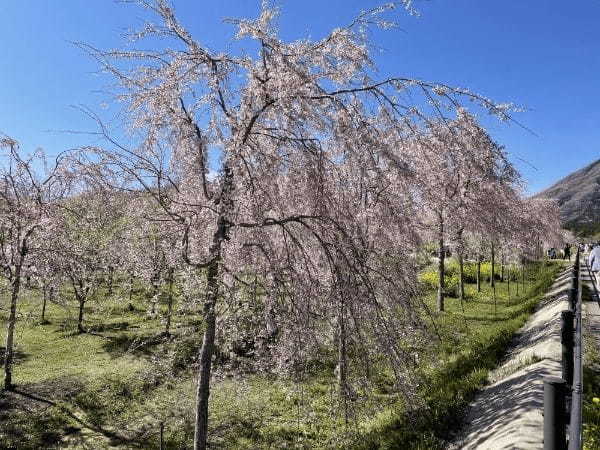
49, 279
86, 227
152, 250
30, 189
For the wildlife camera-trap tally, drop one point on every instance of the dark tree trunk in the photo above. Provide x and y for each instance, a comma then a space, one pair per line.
130, 287
10, 332
272, 329
48, 294
111, 276
478, 273
508, 285
170, 305
492, 277
461, 283
154, 298
212, 285
80, 328
44, 297
206, 352
342, 360
441, 270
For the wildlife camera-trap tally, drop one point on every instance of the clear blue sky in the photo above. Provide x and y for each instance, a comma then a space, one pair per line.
543, 54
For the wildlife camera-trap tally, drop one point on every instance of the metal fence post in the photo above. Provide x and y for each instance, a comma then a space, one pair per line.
575, 422
566, 339
555, 416
573, 292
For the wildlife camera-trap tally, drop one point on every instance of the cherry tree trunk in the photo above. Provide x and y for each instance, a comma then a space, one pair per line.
80, 328
478, 273
130, 286
206, 353
508, 285
111, 276
170, 304
154, 298
212, 292
461, 284
492, 277
342, 361
10, 332
45, 295
272, 328
441, 272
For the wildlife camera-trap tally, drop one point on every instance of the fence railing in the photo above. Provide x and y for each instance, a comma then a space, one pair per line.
563, 396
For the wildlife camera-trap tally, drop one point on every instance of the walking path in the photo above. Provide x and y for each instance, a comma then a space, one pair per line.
591, 312
507, 414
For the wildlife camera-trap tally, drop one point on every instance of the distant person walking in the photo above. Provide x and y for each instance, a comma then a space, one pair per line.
568, 252
594, 263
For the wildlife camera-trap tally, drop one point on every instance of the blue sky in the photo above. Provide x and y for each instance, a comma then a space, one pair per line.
542, 54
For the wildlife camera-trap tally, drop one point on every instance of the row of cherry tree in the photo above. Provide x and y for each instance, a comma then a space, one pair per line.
328, 182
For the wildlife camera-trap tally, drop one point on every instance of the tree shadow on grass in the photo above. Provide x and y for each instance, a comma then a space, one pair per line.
490, 317
114, 326
95, 329
32, 417
18, 356
141, 345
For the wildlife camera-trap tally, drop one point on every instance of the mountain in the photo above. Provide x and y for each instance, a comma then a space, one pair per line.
578, 196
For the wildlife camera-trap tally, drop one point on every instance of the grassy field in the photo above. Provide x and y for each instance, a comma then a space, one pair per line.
591, 385
114, 387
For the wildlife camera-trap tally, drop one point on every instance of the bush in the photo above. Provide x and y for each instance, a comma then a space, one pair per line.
470, 272
186, 352
430, 280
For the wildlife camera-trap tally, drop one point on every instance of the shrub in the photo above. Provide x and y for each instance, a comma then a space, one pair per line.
430, 280
186, 352
470, 272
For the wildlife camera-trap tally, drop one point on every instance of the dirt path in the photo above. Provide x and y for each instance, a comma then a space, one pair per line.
507, 414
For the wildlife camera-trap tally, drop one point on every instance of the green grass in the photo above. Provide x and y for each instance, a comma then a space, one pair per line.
83, 374
591, 387
114, 388
471, 345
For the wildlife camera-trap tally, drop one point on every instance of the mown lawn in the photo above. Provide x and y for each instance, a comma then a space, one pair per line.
114, 388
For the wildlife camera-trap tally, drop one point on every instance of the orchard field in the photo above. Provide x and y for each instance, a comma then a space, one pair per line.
272, 247
113, 386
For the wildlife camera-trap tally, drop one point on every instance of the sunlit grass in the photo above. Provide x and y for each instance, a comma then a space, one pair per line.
591, 386
115, 390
